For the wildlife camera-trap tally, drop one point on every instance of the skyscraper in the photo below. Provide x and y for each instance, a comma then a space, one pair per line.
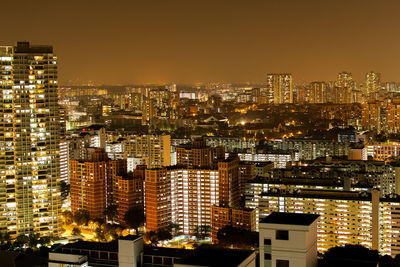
317, 93
343, 90
372, 82
30, 200
281, 87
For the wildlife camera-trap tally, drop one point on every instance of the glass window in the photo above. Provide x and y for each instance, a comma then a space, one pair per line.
282, 263
282, 235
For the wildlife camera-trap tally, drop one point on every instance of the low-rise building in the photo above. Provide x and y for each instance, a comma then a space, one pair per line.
288, 239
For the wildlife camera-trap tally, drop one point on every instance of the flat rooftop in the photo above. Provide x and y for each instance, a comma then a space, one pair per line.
130, 237
216, 257
290, 218
89, 245
166, 252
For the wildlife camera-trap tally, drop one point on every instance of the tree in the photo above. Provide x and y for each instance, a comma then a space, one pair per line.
229, 236
4, 237
163, 234
350, 255
45, 240
173, 228
98, 222
151, 237
81, 217
202, 231
68, 217
386, 261
76, 231
21, 240
100, 234
111, 212
33, 240
134, 218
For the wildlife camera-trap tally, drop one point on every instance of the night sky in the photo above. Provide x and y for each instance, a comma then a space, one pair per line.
125, 42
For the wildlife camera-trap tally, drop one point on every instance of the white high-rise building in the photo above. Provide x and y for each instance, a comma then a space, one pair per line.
30, 200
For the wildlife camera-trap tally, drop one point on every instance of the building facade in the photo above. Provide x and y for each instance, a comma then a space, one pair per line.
281, 86
30, 199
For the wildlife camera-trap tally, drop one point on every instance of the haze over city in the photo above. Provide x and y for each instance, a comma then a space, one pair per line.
131, 42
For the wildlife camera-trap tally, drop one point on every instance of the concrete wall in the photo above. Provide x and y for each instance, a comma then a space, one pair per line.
129, 252
300, 248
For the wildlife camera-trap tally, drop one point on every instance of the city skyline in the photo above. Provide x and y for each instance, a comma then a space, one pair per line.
159, 42
200, 133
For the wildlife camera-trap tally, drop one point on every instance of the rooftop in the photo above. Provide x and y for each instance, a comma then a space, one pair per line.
130, 237
26, 47
320, 194
216, 257
290, 218
87, 245
171, 252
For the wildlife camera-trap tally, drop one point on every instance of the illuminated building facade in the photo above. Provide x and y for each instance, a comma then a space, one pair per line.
198, 154
129, 194
343, 90
281, 86
393, 116
346, 217
155, 150
185, 195
181, 196
94, 183
149, 111
88, 185
281, 159
30, 199
317, 93
384, 151
229, 143
229, 186
310, 149
372, 115
64, 161
238, 218
372, 82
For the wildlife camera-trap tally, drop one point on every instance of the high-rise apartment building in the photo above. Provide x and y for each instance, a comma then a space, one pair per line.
393, 116
281, 86
238, 218
148, 111
373, 115
229, 187
198, 154
185, 195
155, 150
346, 217
30, 199
343, 90
317, 93
372, 82
94, 183
181, 196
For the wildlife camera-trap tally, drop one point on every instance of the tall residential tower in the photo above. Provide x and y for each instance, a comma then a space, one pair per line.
30, 200
281, 87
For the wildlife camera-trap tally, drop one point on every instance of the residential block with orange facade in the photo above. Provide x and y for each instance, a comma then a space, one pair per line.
94, 183
238, 218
